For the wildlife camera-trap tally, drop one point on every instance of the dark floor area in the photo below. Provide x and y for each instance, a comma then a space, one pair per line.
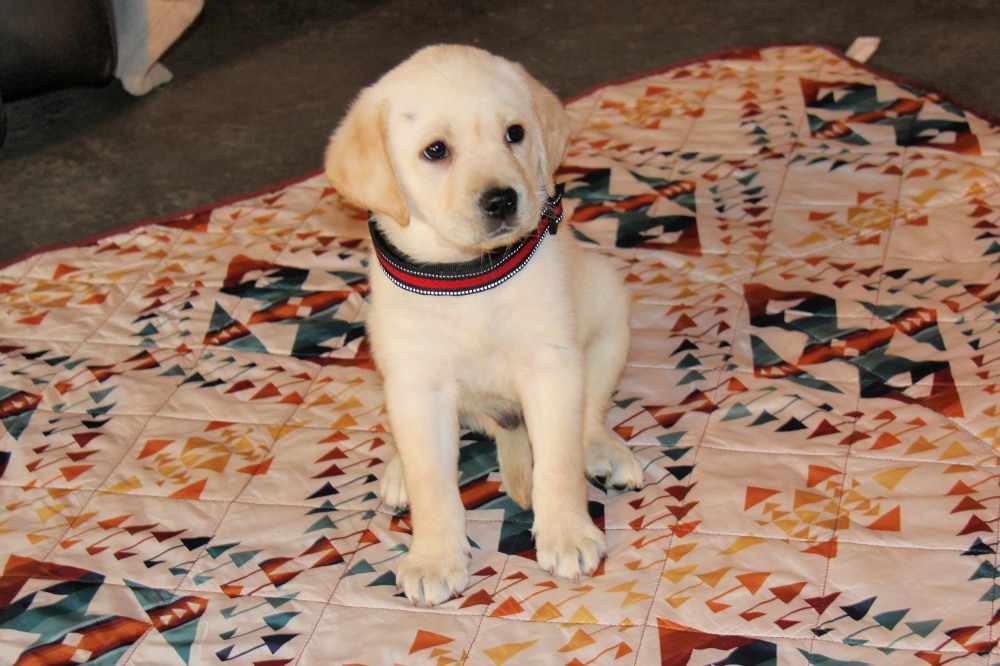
259, 85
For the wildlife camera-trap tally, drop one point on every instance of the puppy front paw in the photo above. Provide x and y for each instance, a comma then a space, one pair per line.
571, 549
432, 578
392, 488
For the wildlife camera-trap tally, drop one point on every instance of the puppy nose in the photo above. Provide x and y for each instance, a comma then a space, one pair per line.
499, 203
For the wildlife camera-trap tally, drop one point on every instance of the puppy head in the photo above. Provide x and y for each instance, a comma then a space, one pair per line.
456, 139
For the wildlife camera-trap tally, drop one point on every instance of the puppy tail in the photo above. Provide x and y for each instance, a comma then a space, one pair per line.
514, 454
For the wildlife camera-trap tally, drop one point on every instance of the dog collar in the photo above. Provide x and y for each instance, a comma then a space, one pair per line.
466, 277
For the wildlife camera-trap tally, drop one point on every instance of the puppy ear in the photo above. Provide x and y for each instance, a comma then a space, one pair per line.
357, 159
554, 127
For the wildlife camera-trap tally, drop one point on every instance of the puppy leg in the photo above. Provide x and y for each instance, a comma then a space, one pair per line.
608, 460
568, 544
424, 421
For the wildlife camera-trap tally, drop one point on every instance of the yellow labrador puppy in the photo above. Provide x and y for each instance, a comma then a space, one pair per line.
482, 315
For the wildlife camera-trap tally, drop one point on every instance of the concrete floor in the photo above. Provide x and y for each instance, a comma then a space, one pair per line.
259, 85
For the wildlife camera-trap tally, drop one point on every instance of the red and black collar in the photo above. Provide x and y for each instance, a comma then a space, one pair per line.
467, 277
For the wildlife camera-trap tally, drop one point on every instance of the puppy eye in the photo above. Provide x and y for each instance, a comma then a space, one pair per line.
436, 151
515, 134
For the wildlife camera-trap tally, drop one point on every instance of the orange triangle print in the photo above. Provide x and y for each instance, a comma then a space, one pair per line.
885, 440
428, 639
802, 498
268, 391
968, 504
509, 606
546, 613
712, 578
819, 474
501, 654
63, 270
889, 522
962, 488
70, 472
580, 639
33, 320
345, 421
192, 491
787, 593
154, 446
755, 496
735, 385
827, 549
753, 581
96, 299
260, 469
583, 616
216, 464
683, 322
717, 606
113, 522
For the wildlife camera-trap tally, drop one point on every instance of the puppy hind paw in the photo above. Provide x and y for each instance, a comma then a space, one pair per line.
392, 488
612, 464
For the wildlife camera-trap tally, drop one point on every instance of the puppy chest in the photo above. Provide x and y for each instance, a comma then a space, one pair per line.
485, 341
491, 372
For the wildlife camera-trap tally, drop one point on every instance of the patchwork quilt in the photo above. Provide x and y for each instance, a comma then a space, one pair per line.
193, 428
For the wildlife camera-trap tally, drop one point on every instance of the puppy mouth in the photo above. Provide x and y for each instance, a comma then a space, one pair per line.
505, 234
506, 216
